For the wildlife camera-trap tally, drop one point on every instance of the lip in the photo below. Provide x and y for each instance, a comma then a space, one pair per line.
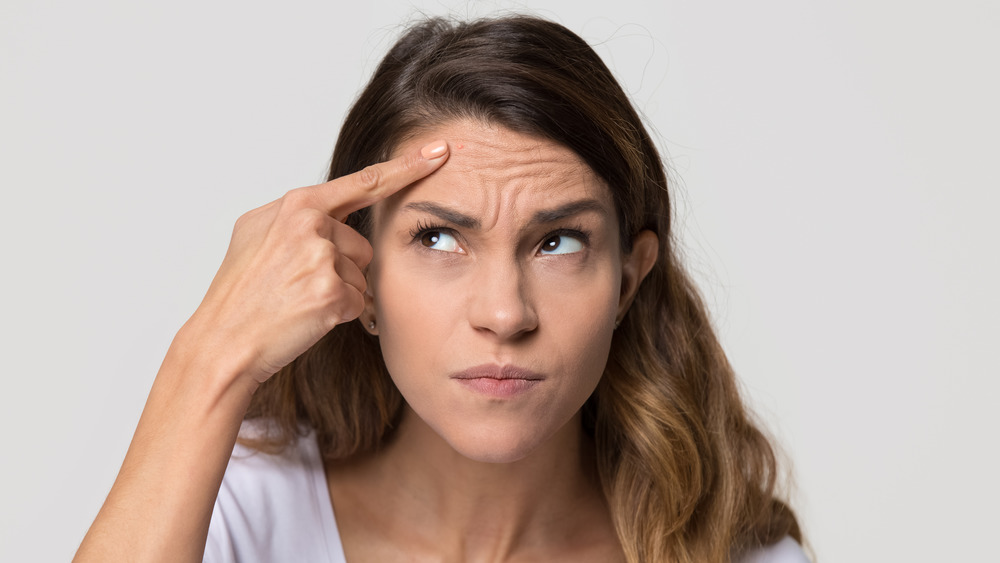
498, 381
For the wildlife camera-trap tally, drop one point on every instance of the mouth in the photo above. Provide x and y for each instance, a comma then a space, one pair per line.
498, 381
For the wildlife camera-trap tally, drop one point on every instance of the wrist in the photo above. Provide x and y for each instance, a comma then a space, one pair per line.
220, 365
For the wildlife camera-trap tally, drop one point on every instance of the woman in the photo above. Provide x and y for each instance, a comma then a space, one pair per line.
532, 374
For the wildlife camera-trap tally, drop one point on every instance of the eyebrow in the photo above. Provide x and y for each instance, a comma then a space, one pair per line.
541, 216
443, 213
568, 210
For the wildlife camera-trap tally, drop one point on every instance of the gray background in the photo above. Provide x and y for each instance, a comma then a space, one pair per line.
835, 167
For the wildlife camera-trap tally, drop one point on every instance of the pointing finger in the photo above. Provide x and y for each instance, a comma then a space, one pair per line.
347, 194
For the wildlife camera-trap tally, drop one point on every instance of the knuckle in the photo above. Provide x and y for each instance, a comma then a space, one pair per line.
365, 254
250, 217
242, 221
323, 255
351, 306
327, 288
295, 199
337, 301
369, 177
247, 226
410, 162
308, 220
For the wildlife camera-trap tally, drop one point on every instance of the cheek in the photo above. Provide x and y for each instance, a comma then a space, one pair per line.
423, 314
416, 317
590, 309
426, 331
580, 322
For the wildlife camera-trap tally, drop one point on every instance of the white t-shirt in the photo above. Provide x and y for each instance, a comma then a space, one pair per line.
274, 507
277, 508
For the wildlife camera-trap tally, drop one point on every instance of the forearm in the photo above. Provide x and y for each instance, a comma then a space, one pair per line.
292, 272
161, 503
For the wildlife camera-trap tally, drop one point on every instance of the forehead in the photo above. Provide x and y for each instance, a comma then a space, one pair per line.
492, 170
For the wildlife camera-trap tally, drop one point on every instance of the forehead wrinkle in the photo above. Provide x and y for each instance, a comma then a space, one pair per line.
498, 163
493, 173
513, 187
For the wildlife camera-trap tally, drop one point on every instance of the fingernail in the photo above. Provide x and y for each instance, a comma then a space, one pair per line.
434, 150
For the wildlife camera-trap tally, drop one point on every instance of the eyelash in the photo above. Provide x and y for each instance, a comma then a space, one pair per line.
577, 232
423, 228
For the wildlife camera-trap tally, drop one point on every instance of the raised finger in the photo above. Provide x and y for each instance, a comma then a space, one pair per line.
347, 194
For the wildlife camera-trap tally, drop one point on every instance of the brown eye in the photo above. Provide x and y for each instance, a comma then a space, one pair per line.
561, 244
439, 240
430, 238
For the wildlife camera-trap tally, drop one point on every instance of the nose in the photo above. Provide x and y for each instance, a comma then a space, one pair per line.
501, 304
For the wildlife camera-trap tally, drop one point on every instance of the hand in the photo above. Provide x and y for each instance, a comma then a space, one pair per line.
294, 270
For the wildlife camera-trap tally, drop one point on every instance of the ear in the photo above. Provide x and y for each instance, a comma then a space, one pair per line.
368, 318
635, 266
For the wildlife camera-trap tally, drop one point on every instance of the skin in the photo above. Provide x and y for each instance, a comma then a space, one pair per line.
465, 477
292, 272
466, 274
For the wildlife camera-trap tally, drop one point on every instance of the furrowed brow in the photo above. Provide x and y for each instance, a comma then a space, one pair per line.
443, 213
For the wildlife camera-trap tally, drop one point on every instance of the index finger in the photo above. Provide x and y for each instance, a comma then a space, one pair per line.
342, 196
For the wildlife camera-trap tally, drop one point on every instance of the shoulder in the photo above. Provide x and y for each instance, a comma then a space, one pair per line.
269, 500
785, 551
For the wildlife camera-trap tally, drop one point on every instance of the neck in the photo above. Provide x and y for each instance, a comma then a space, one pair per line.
483, 511
447, 482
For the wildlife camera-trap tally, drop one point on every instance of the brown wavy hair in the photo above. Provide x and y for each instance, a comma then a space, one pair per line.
687, 474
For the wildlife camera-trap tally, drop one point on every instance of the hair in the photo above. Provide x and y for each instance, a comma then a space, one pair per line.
687, 474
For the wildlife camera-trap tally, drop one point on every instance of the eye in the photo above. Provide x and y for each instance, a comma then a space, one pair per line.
561, 244
439, 240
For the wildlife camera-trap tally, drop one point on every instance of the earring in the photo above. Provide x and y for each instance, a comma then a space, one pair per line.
371, 325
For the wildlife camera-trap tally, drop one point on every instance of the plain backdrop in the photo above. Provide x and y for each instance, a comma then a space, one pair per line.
835, 173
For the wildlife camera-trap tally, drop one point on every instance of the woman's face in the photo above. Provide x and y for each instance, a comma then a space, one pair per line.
495, 287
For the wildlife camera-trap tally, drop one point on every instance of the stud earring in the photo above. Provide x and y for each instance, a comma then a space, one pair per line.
371, 325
